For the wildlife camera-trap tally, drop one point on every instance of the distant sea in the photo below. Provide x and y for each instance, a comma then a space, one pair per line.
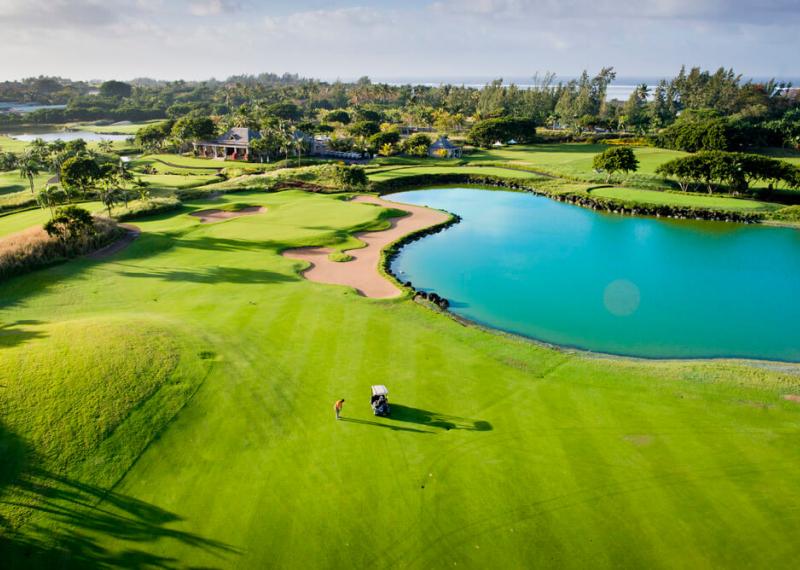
620, 89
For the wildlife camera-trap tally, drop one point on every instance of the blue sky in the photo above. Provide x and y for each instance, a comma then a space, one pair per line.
196, 39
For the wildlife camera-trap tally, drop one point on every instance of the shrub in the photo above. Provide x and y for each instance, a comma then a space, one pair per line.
349, 177
616, 159
417, 144
788, 214
486, 132
737, 170
35, 248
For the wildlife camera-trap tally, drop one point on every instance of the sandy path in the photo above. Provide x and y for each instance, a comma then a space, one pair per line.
214, 215
116, 246
361, 272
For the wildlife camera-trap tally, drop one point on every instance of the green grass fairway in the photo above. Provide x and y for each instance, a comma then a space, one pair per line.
126, 129
177, 180
392, 172
678, 199
8, 144
172, 407
574, 159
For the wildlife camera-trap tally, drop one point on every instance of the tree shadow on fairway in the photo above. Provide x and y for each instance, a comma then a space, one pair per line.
438, 420
52, 521
13, 333
387, 426
77, 515
215, 275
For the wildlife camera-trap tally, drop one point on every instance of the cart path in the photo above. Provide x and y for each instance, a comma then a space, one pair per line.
362, 272
115, 247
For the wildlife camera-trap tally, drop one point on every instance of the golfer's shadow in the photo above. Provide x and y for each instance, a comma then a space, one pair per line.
378, 424
426, 418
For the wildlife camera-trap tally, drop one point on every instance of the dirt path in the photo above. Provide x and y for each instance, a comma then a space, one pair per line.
361, 272
214, 215
117, 246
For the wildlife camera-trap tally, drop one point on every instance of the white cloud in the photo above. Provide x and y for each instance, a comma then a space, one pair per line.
214, 7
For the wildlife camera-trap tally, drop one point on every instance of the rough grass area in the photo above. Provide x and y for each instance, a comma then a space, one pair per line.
30, 249
499, 453
789, 214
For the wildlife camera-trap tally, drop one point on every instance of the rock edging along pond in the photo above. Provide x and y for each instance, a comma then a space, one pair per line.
391, 251
609, 205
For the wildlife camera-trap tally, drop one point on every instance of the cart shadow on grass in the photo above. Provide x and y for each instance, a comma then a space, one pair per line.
424, 418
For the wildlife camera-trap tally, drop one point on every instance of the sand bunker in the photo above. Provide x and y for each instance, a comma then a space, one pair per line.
792, 398
214, 215
361, 272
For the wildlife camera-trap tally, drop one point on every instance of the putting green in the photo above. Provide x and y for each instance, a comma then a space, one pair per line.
500, 453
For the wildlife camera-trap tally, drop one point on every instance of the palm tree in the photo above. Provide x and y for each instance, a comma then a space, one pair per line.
49, 197
28, 168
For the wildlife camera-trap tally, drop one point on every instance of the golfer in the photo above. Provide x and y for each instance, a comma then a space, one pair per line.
337, 407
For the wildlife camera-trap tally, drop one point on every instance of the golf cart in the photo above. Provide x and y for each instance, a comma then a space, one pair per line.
379, 400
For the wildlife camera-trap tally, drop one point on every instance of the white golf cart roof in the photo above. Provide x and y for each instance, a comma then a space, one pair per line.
380, 390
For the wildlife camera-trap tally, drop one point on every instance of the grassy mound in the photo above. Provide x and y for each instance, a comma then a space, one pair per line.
81, 400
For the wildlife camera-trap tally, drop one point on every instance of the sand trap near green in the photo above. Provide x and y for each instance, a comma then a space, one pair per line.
362, 271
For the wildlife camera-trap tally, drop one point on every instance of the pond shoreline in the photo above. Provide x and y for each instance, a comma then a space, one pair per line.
389, 268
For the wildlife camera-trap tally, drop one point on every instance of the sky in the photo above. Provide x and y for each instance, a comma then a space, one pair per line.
436, 39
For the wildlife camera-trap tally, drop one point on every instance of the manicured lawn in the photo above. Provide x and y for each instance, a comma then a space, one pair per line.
392, 172
11, 182
126, 129
8, 144
178, 180
574, 160
195, 374
676, 199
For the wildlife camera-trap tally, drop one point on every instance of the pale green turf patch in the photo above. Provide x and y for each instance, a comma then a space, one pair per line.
123, 129
399, 172
689, 200
8, 144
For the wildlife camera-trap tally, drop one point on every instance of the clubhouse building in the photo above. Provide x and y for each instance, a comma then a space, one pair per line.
443, 148
233, 145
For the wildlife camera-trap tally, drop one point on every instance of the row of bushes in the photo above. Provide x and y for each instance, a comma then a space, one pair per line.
610, 205
140, 209
35, 248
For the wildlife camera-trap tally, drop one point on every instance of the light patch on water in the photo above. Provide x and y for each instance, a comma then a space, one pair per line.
621, 298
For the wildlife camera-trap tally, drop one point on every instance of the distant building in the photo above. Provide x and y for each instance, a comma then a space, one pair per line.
233, 145
443, 148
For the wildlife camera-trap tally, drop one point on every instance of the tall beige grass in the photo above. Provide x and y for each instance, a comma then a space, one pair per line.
33, 248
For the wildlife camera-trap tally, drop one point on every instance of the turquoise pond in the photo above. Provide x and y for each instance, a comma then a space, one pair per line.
614, 284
